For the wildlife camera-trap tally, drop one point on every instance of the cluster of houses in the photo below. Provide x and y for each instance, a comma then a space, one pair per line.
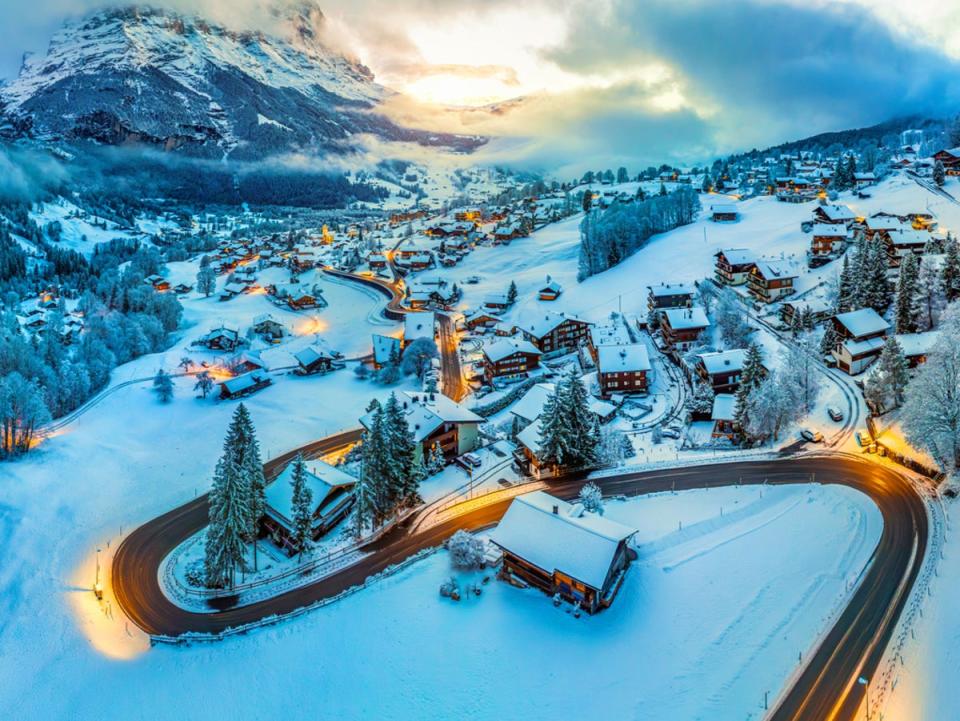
37, 319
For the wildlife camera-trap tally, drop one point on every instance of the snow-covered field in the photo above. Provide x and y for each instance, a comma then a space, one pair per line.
710, 617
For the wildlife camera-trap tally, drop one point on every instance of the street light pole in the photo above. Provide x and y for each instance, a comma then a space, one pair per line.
865, 682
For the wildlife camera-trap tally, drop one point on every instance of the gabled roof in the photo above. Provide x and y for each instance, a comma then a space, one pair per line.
506, 347
580, 544
862, 322
725, 361
623, 358
418, 325
425, 412
382, 345
686, 318
321, 478
544, 324
837, 213
312, 353
240, 383
724, 407
665, 290
917, 344
770, 270
830, 230
738, 256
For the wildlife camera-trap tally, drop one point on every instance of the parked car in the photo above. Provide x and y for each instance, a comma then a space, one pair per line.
670, 433
471, 459
835, 414
811, 436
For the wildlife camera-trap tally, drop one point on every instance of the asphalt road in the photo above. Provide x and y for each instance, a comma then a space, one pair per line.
826, 689
453, 385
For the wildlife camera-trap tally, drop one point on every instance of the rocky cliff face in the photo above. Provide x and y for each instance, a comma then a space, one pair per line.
139, 75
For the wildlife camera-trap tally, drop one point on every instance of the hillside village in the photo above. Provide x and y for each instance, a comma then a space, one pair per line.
431, 359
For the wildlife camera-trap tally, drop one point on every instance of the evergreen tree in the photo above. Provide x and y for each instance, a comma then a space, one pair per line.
251, 465
886, 384
512, 293
707, 185
302, 507
829, 340
929, 295
403, 477
163, 386
905, 311
224, 553
581, 422
848, 285
587, 200
751, 376
436, 462
555, 437
950, 273
939, 174
206, 278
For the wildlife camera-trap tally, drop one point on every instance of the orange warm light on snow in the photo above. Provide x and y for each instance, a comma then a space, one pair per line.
311, 326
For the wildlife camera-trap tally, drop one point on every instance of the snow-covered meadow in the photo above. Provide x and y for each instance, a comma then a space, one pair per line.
730, 585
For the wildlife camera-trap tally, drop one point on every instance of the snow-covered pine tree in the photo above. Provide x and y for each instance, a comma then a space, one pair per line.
512, 293
905, 310
252, 469
892, 366
163, 386
847, 287
402, 474
436, 462
228, 524
939, 174
302, 507
750, 378
581, 421
950, 273
829, 340
929, 295
555, 437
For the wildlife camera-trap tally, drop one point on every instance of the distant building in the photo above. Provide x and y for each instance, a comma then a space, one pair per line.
623, 368
861, 335
509, 358
733, 266
724, 213
681, 327
555, 331
244, 385
770, 281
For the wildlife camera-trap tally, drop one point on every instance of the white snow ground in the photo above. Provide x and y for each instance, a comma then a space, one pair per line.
709, 618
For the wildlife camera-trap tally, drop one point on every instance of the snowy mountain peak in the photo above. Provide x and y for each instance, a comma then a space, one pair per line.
140, 74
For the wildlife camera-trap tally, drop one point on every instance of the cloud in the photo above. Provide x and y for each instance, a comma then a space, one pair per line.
27, 175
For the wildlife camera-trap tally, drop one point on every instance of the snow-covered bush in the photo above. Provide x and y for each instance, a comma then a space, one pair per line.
592, 498
466, 550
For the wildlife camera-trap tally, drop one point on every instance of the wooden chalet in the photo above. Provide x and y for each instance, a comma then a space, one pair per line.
158, 283
732, 267
724, 213
681, 328
900, 243
950, 157
221, 338
563, 550
332, 498
316, 358
834, 214
623, 369
860, 338
770, 281
557, 331
723, 415
496, 302
244, 385
917, 346
551, 291
670, 295
268, 327
818, 310
182, 288
827, 238
721, 370
480, 318
509, 358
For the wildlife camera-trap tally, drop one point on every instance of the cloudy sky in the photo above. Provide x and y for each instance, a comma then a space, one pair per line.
609, 79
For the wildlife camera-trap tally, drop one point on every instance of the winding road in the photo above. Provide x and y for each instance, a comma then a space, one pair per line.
826, 688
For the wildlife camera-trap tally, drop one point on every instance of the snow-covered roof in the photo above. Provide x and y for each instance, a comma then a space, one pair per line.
837, 213
665, 290
813, 305
382, 347
724, 407
830, 230
580, 544
506, 347
531, 404
771, 269
312, 353
543, 324
418, 325
886, 222
240, 383
855, 348
738, 256
321, 478
496, 299
862, 322
623, 358
909, 236
724, 361
724, 208
687, 318
917, 344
